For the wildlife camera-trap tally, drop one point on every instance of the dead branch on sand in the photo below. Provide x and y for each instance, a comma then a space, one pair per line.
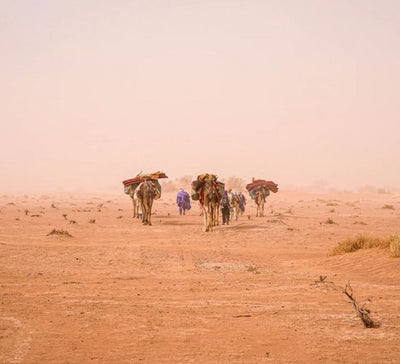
362, 312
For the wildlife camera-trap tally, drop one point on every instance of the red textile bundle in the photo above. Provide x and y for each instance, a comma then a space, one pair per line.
272, 186
142, 177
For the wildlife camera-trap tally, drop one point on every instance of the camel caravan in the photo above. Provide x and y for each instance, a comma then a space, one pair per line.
206, 189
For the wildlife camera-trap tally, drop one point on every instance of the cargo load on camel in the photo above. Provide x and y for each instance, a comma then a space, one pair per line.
255, 185
197, 186
130, 185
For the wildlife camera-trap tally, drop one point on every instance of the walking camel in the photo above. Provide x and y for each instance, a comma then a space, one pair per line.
261, 194
209, 198
147, 192
210, 205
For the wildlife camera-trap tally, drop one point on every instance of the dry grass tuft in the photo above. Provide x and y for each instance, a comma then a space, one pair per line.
367, 242
360, 242
60, 232
394, 245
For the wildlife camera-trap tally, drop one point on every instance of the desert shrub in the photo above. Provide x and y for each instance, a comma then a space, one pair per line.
168, 186
236, 183
388, 207
394, 245
184, 181
329, 221
360, 242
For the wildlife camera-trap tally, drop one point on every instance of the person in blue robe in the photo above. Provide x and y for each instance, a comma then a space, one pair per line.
183, 201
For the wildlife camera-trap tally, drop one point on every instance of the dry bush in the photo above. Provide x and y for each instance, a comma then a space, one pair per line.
185, 181
329, 221
168, 186
362, 312
359, 242
394, 245
388, 207
236, 183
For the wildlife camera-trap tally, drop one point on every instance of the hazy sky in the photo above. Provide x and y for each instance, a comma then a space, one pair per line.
94, 91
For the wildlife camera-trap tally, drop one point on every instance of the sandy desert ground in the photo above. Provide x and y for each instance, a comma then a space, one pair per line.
120, 292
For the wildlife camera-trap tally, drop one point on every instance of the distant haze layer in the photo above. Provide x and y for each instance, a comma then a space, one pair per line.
299, 92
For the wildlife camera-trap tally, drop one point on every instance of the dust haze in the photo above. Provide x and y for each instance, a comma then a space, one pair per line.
304, 93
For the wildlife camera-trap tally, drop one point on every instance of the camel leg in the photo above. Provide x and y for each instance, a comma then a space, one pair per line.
149, 212
205, 214
144, 212
211, 218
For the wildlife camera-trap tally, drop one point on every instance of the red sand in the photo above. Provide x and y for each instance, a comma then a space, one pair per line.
120, 292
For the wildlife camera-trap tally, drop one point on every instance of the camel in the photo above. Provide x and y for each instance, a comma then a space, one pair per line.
207, 190
235, 203
146, 193
210, 204
261, 194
